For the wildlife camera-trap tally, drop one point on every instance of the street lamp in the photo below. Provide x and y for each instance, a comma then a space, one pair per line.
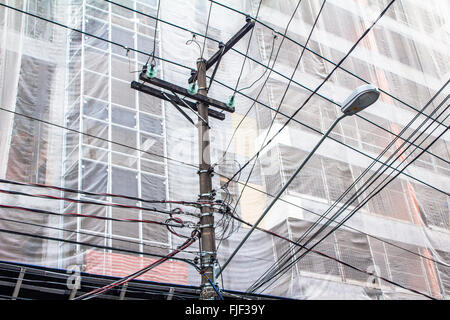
361, 98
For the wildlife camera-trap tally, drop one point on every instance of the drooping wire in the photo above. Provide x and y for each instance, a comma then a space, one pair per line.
172, 62
246, 52
183, 66
265, 69
207, 28
74, 214
329, 257
105, 204
365, 187
140, 272
260, 91
319, 86
282, 98
355, 196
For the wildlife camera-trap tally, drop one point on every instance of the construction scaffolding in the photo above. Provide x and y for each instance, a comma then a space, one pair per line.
100, 174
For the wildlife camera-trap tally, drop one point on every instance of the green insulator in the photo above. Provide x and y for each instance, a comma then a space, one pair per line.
193, 88
151, 72
231, 103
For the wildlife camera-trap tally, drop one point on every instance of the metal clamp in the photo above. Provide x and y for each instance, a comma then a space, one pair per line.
206, 214
209, 195
206, 226
204, 253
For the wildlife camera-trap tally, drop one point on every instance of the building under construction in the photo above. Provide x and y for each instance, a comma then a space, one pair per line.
150, 149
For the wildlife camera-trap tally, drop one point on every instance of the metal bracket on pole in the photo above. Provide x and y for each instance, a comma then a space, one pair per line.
189, 107
181, 102
238, 36
222, 51
179, 109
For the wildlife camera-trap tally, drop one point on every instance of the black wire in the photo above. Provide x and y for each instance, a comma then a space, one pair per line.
87, 216
267, 67
282, 98
356, 195
246, 52
262, 104
329, 257
258, 62
365, 201
354, 210
260, 91
318, 55
180, 65
104, 237
116, 205
206, 32
320, 85
196, 167
34, 235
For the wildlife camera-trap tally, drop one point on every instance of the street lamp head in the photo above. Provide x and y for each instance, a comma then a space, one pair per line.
361, 98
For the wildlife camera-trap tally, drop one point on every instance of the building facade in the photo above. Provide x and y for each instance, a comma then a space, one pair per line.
70, 119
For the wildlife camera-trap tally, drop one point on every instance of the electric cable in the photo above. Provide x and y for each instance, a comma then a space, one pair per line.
103, 194
74, 214
187, 164
317, 54
246, 52
368, 198
93, 245
332, 258
206, 31
354, 197
193, 166
143, 53
261, 90
90, 234
282, 99
180, 65
105, 204
321, 84
356, 209
136, 274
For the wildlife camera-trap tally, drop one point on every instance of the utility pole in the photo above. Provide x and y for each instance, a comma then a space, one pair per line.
202, 109
207, 231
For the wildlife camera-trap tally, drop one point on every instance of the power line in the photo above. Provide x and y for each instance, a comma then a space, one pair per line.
138, 273
365, 187
283, 96
180, 162
90, 234
82, 192
191, 165
354, 197
180, 65
320, 85
267, 67
206, 32
87, 244
175, 160
319, 55
104, 204
73, 214
332, 258
248, 47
